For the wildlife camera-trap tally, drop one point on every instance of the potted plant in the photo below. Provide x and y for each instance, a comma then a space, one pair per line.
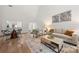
35, 33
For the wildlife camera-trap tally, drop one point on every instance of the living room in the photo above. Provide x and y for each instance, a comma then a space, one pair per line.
34, 23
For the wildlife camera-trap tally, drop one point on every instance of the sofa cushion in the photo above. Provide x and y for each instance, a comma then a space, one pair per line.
51, 30
57, 30
69, 33
62, 36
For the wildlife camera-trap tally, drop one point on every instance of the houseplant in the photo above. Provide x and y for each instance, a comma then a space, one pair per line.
35, 33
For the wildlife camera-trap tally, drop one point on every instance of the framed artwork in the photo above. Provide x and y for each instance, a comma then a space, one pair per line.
55, 18
66, 16
62, 17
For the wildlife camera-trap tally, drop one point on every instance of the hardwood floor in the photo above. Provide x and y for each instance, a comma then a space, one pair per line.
26, 44
14, 46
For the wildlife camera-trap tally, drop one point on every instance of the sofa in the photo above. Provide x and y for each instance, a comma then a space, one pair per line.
67, 37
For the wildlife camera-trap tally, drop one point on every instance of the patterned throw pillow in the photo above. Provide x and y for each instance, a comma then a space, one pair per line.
69, 33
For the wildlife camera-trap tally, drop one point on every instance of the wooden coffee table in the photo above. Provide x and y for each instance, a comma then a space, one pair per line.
56, 44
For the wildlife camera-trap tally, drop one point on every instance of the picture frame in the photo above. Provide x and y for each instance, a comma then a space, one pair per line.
62, 17
55, 18
66, 16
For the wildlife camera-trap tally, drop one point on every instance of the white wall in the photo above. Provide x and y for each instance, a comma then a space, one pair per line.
37, 14
0, 19
24, 13
46, 12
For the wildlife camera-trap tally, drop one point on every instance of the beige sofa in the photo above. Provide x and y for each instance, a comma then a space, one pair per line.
70, 39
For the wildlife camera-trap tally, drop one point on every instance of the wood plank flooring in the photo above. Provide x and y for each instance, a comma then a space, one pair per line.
26, 44
14, 46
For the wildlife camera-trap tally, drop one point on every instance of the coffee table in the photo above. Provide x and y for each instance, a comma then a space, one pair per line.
56, 44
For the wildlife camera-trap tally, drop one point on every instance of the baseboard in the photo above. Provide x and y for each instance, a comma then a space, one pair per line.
21, 33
